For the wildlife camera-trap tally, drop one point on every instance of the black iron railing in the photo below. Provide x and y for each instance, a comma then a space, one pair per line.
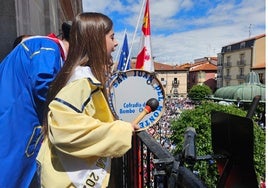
149, 165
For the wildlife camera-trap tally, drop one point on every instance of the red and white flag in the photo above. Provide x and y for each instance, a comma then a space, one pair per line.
145, 58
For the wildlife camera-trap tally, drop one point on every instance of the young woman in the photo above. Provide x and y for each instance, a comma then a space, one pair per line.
81, 133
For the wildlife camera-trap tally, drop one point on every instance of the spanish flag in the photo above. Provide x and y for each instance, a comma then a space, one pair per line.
144, 58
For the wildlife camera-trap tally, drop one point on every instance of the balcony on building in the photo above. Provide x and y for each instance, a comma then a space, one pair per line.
227, 77
241, 63
240, 77
219, 76
228, 64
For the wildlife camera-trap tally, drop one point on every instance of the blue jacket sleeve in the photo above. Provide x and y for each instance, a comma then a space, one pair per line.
44, 66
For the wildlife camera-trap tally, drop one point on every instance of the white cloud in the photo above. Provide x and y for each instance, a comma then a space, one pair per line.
178, 37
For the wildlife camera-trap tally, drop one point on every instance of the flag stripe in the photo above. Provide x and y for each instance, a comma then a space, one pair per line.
144, 58
146, 21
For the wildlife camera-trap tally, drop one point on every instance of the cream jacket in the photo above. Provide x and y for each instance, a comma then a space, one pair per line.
82, 137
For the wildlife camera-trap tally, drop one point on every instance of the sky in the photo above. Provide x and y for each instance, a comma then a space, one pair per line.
183, 30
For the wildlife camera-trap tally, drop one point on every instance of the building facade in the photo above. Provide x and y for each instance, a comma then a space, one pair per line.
33, 17
238, 59
203, 71
259, 58
173, 79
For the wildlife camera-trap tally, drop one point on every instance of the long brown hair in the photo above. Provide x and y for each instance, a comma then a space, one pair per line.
87, 47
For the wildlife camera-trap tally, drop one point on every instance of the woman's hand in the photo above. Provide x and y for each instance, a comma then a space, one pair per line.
135, 127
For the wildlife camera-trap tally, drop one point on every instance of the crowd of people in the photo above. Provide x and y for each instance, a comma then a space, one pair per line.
161, 131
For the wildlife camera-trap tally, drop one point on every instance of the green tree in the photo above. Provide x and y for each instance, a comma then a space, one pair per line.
199, 92
200, 119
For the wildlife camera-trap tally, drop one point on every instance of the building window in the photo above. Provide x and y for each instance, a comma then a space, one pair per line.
175, 83
219, 71
228, 59
201, 75
241, 59
163, 82
242, 44
241, 71
261, 77
228, 72
229, 48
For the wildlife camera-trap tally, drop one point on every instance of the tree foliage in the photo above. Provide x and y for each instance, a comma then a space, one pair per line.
199, 92
200, 119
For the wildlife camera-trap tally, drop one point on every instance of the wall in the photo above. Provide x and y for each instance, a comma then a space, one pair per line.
35, 17
7, 27
169, 77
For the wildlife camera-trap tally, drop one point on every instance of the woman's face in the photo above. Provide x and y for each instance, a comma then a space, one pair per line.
111, 43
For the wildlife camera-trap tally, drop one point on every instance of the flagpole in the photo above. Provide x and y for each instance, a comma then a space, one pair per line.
134, 35
119, 51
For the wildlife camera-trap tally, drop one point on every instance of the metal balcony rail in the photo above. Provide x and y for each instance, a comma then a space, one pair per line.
149, 165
